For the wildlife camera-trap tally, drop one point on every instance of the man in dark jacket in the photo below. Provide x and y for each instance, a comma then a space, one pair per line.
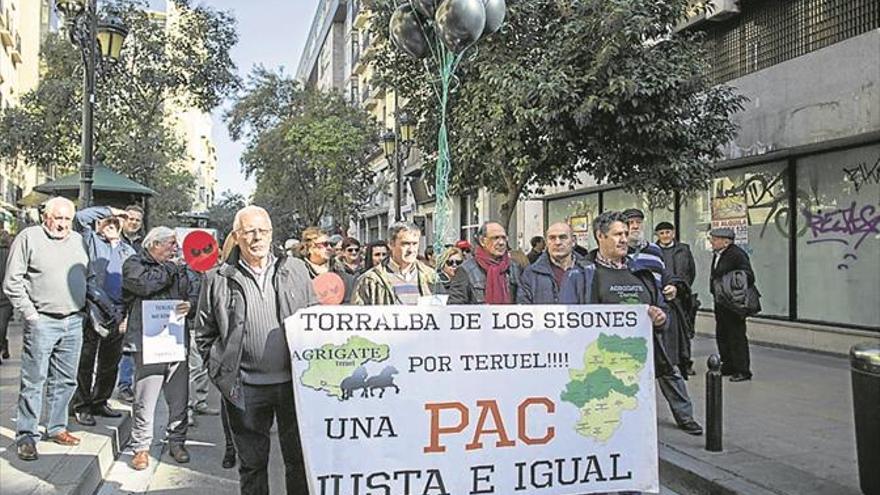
5, 305
154, 275
618, 278
679, 261
242, 307
132, 234
730, 328
676, 255
539, 245
540, 282
489, 277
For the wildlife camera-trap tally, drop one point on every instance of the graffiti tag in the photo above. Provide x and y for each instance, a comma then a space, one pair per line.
849, 226
863, 174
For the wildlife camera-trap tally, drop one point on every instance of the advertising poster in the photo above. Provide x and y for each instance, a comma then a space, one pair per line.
555, 400
164, 332
731, 212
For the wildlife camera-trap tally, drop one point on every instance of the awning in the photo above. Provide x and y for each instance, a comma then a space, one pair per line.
105, 180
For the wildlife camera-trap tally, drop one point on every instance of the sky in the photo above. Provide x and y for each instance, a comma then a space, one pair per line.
271, 33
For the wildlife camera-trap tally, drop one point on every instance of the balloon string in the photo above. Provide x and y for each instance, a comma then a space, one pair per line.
444, 160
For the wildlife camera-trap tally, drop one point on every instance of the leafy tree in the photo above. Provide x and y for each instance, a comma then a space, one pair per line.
604, 87
307, 150
222, 213
189, 64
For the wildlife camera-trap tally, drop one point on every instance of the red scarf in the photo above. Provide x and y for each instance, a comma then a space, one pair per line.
497, 290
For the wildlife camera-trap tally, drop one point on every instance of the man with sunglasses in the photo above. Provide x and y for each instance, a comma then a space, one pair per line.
541, 281
402, 278
320, 257
351, 257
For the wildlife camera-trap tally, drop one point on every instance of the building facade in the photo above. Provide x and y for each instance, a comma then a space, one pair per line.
351, 19
23, 24
800, 183
194, 128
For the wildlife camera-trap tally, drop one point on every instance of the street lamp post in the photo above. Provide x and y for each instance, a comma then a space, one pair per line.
97, 41
397, 144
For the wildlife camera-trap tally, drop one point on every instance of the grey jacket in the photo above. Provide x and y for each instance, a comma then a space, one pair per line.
222, 312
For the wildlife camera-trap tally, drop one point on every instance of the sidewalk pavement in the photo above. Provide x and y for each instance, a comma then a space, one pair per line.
787, 431
59, 470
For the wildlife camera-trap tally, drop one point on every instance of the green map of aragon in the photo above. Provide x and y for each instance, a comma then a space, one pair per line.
607, 385
327, 374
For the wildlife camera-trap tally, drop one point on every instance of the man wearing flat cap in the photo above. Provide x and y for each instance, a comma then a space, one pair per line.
730, 327
679, 261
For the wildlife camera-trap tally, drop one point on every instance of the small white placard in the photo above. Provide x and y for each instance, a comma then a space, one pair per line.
164, 332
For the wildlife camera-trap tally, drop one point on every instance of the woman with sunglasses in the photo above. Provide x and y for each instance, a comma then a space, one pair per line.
447, 264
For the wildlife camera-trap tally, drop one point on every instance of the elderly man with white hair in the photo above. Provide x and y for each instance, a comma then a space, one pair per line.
155, 274
47, 280
240, 334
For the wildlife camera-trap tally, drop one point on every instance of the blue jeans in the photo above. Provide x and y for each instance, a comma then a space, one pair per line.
50, 357
126, 372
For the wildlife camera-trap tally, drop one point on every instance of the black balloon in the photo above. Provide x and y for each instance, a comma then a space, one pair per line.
407, 34
460, 23
495, 12
425, 7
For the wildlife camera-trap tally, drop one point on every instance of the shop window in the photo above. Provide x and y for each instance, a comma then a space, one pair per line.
838, 243
577, 211
754, 202
658, 207
470, 217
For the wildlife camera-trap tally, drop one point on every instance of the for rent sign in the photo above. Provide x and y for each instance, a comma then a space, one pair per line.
475, 399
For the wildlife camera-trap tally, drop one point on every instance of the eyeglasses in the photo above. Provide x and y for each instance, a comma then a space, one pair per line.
252, 233
324, 244
352, 250
454, 262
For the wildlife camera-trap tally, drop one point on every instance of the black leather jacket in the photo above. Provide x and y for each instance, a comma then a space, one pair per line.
222, 311
469, 284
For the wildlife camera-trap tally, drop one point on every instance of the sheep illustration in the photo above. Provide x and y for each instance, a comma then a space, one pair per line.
357, 380
382, 381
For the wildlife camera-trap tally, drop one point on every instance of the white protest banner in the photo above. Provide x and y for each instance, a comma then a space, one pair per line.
433, 400
163, 332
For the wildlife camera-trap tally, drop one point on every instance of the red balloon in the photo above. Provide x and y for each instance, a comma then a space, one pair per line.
329, 287
200, 250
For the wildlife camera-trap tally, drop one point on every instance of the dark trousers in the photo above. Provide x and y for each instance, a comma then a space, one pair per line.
224, 420
98, 365
733, 345
250, 430
5, 316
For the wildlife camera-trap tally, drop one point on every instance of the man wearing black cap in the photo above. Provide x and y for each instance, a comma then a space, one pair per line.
730, 327
676, 255
646, 255
679, 261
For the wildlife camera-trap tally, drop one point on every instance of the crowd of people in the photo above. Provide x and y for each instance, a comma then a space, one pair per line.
79, 279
